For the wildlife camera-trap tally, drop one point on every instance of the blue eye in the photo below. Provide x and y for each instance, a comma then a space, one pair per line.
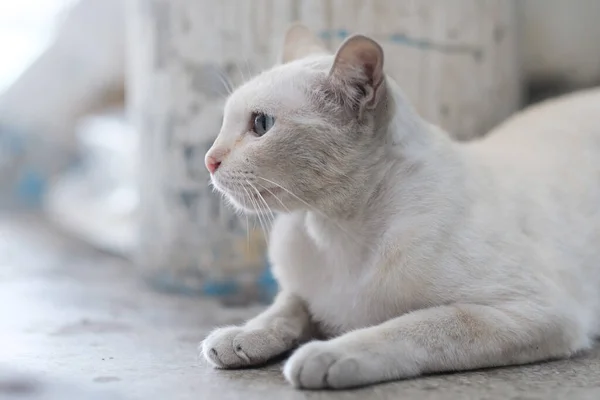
262, 123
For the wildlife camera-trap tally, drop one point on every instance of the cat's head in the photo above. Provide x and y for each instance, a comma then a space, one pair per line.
307, 133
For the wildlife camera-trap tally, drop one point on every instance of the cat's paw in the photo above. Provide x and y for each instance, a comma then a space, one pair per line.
238, 347
334, 365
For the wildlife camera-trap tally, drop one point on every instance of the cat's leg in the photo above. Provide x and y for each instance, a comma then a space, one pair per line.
280, 328
447, 338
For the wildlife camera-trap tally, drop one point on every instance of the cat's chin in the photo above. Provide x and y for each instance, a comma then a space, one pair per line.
240, 207
253, 200
270, 202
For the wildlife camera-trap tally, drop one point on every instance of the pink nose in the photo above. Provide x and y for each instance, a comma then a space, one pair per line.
215, 157
212, 164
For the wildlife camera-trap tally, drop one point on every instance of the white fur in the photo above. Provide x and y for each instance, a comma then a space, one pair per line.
443, 256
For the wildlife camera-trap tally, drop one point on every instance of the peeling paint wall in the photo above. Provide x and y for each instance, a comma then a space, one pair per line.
455, 60
559, 41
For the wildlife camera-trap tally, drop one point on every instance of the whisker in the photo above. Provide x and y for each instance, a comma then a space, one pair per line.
226, 82
248, 66
241, 72
276, 198
270, 217
247, 225
259, 212
287, 190
260, 197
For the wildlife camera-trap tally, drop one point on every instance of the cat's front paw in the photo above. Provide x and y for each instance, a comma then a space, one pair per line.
338, 365
238, 347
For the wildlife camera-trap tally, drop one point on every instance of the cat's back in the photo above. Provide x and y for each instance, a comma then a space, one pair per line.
549, 149
546, 133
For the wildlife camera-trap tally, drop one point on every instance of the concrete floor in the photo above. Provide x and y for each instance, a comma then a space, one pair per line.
86, 327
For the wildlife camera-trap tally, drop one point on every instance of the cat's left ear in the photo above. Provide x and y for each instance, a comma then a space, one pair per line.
358, 70
300, 42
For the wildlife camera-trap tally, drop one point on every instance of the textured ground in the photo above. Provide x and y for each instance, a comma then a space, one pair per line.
81, 321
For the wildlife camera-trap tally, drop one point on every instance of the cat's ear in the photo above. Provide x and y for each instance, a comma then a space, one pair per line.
300, 42
358, 70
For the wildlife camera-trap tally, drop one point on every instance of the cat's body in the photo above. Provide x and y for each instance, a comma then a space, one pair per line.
410, 252
517, 216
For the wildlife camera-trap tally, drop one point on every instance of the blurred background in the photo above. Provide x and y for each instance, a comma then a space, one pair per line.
108, 106
106, 102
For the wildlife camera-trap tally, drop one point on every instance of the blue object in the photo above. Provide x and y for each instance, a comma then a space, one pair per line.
267, 283
405, 40
220, 288
12, 140
29, 161
30, 187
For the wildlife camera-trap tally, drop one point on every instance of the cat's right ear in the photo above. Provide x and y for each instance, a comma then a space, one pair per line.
300, 42
358, 71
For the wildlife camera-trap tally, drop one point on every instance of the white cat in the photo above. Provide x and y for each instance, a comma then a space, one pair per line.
409, 252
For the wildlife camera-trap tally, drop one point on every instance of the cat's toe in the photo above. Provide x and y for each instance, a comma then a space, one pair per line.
348, 372
219, 349
235, 347
324, 365
257, 346
308, 368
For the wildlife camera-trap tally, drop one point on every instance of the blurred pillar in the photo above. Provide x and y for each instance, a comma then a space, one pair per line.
190, 240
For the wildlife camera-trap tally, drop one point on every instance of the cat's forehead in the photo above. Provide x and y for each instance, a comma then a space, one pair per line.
280, 89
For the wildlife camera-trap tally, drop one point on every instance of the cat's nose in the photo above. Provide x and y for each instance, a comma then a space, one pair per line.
214, 158
212, 164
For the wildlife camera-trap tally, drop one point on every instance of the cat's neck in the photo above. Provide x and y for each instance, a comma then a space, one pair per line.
407, 132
